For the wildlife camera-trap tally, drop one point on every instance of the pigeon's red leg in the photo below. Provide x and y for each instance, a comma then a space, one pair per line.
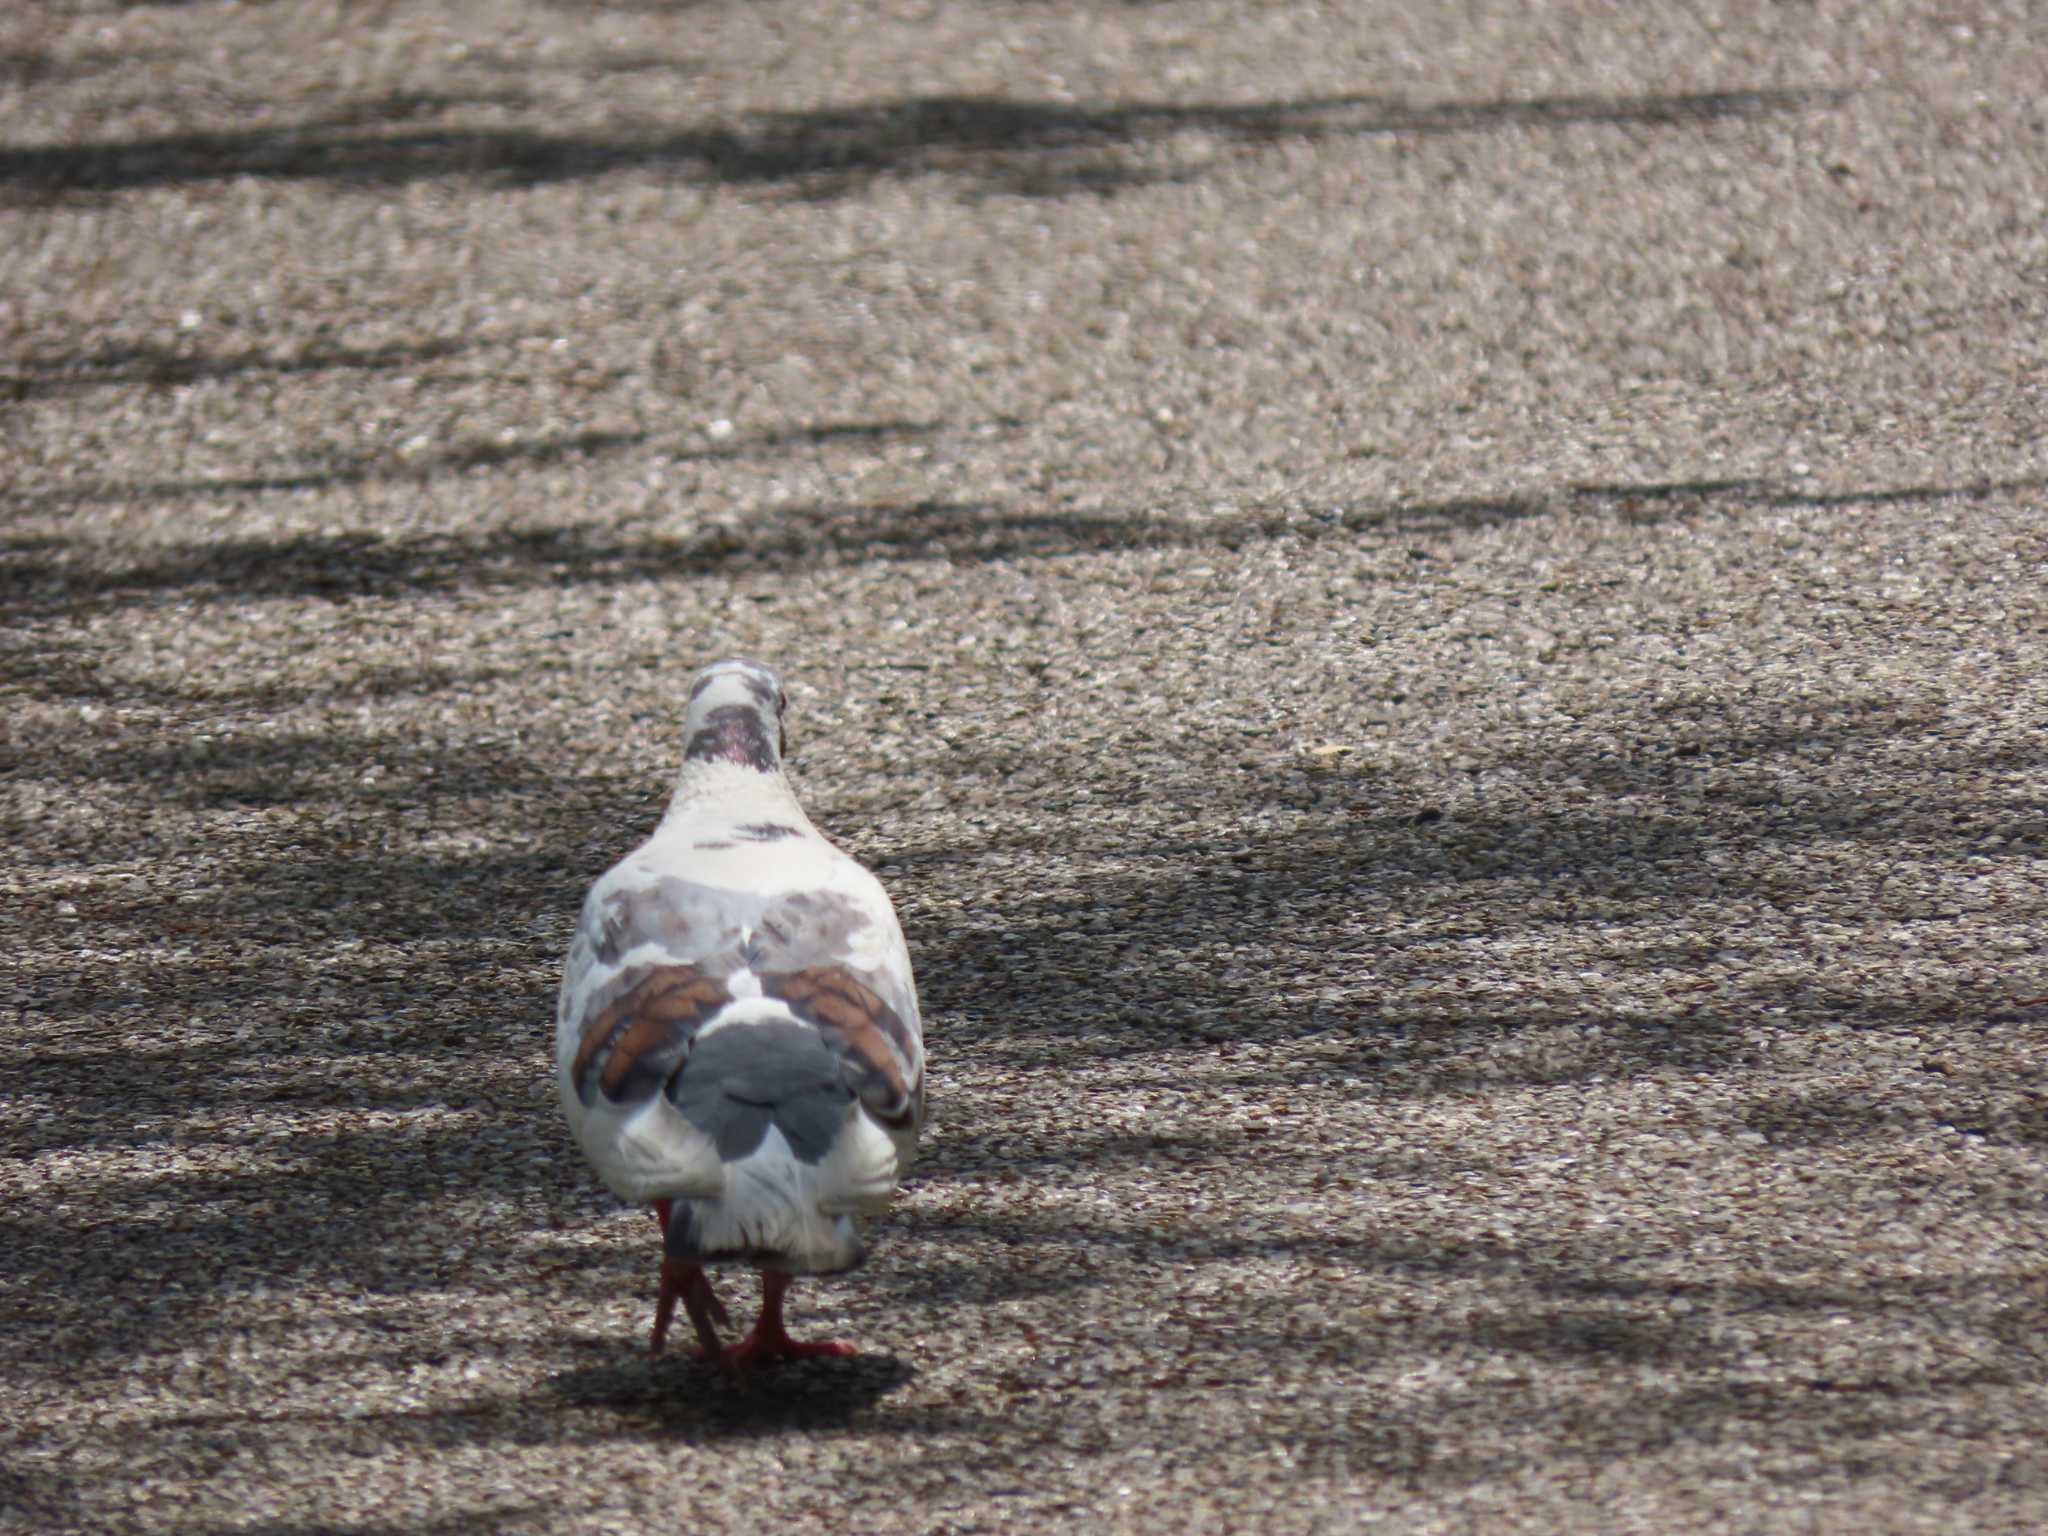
665, 1303
687, 1283
706, 1311
769, 1340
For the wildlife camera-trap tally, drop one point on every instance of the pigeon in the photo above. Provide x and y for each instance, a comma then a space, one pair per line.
737, 1042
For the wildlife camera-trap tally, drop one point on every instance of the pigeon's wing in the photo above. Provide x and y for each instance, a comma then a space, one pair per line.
649, 969
835, 957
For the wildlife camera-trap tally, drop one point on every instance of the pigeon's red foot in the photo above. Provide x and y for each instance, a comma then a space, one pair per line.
758, 1347
769, 1340
687, 1283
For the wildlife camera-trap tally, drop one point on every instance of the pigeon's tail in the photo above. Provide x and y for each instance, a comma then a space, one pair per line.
800, 1157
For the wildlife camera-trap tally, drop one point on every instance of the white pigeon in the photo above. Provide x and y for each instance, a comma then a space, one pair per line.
738, 1042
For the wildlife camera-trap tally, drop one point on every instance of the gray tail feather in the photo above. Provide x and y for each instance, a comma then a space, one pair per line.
742, 1079
738, 1082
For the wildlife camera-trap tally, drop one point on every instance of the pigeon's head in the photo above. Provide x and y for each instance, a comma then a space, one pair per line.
735, 716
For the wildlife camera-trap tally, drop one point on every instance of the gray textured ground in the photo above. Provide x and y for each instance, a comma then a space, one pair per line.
1434, 612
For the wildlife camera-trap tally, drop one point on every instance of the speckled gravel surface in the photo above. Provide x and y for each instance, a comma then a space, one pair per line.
1435, 614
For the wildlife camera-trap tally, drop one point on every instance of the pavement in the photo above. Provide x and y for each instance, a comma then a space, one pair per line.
1434, 614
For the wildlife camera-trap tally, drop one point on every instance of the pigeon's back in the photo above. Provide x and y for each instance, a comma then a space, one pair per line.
738, 1028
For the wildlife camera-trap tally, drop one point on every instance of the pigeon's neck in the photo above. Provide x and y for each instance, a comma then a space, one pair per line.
732, 791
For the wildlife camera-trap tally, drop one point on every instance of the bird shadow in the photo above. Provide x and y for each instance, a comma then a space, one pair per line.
676, 1396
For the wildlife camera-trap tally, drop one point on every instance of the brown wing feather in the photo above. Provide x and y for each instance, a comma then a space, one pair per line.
643, 1033
835, 999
